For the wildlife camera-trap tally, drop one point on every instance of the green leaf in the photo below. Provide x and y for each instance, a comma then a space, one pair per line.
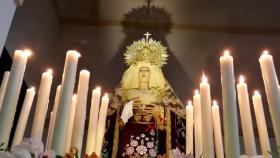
274, 151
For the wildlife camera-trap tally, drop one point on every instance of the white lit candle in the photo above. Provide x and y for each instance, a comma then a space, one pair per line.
93, 118
189, 128
63, 111
206, 118
230, 119
272, 92
197, 125
80, 114
70, 130
101, 124
217, 130
3, 86
23, 117
11, 96
261, 124
51, 128
246, 118
42, 104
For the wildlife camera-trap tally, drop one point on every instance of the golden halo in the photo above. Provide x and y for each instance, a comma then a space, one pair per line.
147, 50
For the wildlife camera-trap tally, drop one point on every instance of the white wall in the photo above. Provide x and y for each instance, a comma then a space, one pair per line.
7, 10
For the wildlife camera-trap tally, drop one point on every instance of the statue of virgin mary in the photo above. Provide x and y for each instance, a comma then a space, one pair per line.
142, 103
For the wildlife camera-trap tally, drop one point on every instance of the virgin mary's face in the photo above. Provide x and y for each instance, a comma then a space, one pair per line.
144, 74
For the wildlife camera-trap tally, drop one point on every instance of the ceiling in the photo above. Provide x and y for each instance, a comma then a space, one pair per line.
233, 16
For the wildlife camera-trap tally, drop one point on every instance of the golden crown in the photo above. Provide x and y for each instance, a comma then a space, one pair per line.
148, 50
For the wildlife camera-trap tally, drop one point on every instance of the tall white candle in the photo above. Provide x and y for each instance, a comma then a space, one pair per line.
80, 114
246, 118
42, 104
206, 118
197, 125
101, 124
93, 118
3, 86
262, 128
63, 111
11, 96
272, 92
71, 123
23, 117
219, 148
49, 131
189, 128
230, 119
51, 128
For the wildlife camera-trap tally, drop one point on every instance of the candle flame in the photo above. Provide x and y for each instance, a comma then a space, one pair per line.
256, 92
106, 95
27, 52
74, 52
215, 102
189, 103
265, 52
196, 92
97, 89
74, 97
204, 78
59, 86
32, 88
226, 52
241, 79
50, 71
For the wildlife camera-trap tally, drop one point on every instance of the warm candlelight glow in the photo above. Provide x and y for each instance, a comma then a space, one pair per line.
241, 79
74, 97
27, 52
215, 103
74, 52
204, 78
106, 95
84, 71
265, 52
196, 92
50, 71
226, 52
32, 88
256, 92
189, 103
97, 89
